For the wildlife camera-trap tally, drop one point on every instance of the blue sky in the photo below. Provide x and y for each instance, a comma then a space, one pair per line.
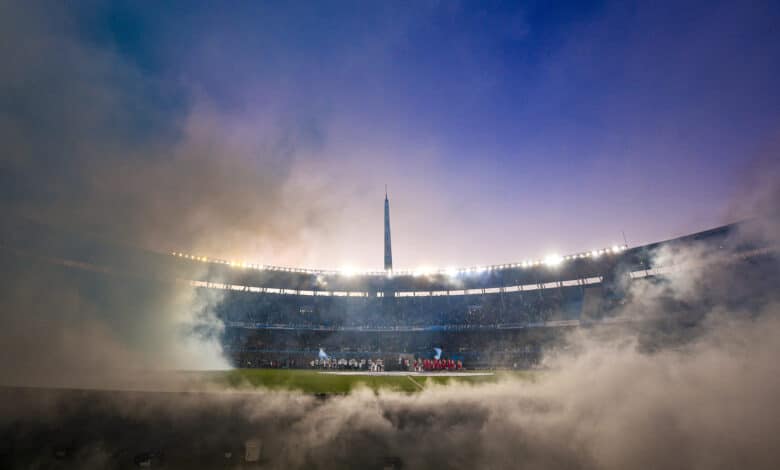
504, 130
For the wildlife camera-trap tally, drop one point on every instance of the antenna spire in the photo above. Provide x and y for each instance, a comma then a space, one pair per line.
388, 249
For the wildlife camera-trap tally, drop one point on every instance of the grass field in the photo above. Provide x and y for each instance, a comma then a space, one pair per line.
311, 381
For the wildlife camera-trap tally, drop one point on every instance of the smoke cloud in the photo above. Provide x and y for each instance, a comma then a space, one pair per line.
94, 145
98, 152
709, 404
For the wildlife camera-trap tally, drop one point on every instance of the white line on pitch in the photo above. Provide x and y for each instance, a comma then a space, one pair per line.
415, 382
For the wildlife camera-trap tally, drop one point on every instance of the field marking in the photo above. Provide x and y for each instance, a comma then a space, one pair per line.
415, 382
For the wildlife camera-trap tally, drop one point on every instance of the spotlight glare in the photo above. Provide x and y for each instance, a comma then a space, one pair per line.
553, 260
422, 271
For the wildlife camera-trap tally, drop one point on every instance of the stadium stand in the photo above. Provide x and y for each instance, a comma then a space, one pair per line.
492, 316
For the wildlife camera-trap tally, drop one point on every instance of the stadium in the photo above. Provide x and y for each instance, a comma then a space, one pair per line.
389, 235
471, 318
480, 316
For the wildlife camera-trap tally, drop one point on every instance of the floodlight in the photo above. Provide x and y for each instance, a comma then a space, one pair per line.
553, 260
348, 271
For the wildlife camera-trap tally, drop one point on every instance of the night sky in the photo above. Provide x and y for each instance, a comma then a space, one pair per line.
266, 131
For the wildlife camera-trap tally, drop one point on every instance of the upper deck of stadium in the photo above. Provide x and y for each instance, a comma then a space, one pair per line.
38, 242
576, 269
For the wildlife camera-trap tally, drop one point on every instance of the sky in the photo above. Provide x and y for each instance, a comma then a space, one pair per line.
267, 131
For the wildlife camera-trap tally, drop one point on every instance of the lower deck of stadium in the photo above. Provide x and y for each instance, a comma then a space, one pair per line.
489, 330
501, 330
504, 330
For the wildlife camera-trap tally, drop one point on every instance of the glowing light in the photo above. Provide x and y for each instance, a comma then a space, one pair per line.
348, 271
423, 271
452, 272
553, 260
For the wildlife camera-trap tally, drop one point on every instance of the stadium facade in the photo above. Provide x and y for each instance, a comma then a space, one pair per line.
498, 315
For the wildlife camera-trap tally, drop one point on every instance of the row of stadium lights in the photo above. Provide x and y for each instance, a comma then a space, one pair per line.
551, 261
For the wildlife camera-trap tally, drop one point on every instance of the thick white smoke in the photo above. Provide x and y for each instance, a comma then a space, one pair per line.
711, 404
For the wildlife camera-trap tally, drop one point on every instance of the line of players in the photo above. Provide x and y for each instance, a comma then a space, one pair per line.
420, 364
370, 365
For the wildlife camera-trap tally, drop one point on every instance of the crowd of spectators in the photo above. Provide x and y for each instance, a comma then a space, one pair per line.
460, 311
366, 332
370, 365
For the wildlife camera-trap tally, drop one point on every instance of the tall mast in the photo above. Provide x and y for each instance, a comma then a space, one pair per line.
388, 248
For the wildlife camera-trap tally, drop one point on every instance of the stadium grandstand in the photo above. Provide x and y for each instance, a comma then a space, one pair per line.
482, 316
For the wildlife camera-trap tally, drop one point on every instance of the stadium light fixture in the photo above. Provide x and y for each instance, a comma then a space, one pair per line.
348, 271
553, 260
423, 271
550, 260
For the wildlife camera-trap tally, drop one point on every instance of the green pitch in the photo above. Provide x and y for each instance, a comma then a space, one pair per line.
311, 381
